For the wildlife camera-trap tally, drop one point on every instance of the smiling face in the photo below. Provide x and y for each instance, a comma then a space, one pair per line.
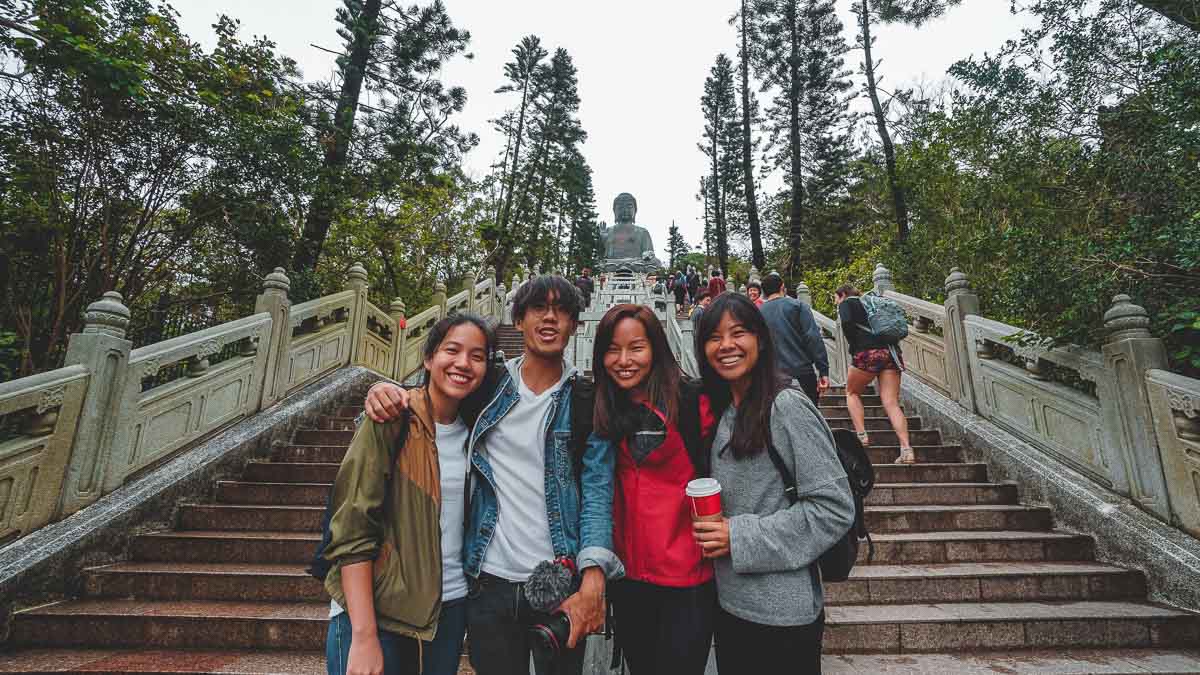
629, 356
457, 368
732, 350
753, 292
546, 327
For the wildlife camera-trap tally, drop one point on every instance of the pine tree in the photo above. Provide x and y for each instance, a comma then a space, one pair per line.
677, 246
869, 65
749, 113
723, 148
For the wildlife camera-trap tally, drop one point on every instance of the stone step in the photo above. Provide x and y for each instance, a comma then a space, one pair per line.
309, 453
274, 494
948, 472
350, 410
942, 493
1019, 662
887, 437
839, 401
204, 581
933, 454
283, 518
985, 582
247, 662
842, 411
294, 472
322, 437
972, 626
335, 423
960, 546
942, 518
871, 423
216, 546
173, 624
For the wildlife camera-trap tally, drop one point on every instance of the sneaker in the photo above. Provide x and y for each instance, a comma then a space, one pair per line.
906, 456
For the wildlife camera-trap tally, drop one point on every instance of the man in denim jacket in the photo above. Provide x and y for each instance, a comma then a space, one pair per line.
526, 502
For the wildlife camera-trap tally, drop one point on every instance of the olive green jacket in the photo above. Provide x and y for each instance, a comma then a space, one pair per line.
400, 531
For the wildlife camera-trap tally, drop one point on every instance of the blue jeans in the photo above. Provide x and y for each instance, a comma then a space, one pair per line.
400, 654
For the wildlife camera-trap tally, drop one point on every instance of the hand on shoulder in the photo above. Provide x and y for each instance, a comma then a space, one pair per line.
385, 401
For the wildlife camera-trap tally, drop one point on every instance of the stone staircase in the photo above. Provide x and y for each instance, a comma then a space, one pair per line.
964, 579
510, 341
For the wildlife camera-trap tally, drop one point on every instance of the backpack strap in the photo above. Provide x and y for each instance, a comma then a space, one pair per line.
583, 398
789, 480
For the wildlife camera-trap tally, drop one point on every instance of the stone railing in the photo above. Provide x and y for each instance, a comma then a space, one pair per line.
72, 435
1115, 415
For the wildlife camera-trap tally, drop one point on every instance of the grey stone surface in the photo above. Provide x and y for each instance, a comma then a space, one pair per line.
45, 564
1125, 534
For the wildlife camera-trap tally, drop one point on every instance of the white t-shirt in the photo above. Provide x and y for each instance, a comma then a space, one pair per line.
452, 458
452, 461
516, 449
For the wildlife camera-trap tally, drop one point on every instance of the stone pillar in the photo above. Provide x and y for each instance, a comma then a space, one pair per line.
104, 351
357, 281
882, 278
274, 301
500, 309
396, 312
472, 305
1130, 351
754, 274
492, 282
803, 294
961, 302
439, 296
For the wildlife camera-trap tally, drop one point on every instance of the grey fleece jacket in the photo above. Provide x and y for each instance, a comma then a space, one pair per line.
766, 578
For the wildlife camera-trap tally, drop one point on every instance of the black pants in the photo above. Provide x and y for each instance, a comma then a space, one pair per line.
664, 630
808, 382
753, 648
498, 621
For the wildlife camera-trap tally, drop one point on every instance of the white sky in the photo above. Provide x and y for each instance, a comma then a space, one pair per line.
642, 65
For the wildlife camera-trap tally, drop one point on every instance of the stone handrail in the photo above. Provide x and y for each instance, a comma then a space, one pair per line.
1175, 404
42, 412
161, 420
459, 302
835, 347
72, 435
924, 349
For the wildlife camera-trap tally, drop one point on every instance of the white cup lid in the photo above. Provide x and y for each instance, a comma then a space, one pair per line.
703, 487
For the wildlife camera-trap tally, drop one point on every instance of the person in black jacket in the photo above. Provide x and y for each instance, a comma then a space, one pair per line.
872, 359
586, 286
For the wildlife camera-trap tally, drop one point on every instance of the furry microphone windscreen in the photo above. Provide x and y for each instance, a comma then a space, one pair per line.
548, 586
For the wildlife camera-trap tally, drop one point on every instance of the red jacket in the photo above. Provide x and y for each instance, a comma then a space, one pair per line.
652, 522
716, 286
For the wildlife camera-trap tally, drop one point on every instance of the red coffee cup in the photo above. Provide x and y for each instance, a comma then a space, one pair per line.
705, 497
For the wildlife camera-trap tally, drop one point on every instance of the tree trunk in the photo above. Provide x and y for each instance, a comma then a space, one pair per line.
718, 210
505, 243
796, 214
330, 188
885, 137
756, 247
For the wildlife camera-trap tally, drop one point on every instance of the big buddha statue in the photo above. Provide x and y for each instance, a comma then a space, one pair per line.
627, 245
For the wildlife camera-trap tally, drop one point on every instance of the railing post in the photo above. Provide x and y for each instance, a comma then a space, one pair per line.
357, 281
274, 301
882, 279
754, 274
961, 302
472, 305
439, 296
1130, 351
396, 311
803, 294
104, 351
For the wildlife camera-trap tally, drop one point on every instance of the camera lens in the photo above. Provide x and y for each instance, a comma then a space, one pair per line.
551, 637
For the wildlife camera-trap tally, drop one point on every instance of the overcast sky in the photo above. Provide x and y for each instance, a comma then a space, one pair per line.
642, 65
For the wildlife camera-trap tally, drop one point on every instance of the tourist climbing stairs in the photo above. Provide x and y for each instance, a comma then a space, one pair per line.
964, 578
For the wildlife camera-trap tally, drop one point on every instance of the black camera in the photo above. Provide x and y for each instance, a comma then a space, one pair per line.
552, 582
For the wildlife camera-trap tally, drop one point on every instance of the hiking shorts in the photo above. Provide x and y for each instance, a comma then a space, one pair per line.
876, 361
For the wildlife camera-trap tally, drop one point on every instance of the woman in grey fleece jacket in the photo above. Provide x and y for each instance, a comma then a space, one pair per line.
765, 550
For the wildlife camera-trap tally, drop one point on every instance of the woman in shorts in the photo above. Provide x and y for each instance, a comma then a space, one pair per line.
873, 359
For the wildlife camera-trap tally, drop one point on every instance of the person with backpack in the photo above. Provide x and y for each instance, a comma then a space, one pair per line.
542, 488
801, 350
875, 355
665, 606
680, 289
767, 545
693, 284
392, 560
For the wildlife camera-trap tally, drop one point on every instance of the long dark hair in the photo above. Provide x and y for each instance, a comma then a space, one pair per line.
611, 419
752, 428
471, 406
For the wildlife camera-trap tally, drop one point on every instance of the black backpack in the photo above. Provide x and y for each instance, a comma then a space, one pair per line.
319, 567
837, 562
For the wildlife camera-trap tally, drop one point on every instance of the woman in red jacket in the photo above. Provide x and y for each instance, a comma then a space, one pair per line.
665, 606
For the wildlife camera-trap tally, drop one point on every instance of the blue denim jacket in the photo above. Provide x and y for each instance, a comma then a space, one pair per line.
580, 519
